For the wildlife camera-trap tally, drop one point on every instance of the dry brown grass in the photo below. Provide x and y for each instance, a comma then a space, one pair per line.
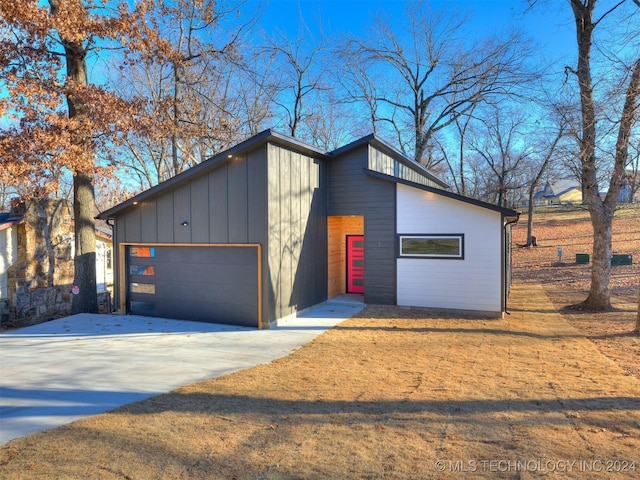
386, 395
568, 283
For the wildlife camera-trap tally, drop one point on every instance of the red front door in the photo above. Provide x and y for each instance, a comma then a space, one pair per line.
355, 264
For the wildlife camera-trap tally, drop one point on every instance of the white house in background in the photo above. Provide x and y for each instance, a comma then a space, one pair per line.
8, 249
104, 258
9, 253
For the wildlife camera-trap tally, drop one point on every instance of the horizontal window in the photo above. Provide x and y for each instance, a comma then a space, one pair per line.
144, 252
149, 288
434, 246
146, 270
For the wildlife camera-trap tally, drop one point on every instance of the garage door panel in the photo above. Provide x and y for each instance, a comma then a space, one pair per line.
216, 292
216, 255
216, 284
209, 312
220, 275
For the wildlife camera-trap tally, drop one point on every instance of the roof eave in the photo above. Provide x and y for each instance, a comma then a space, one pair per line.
506, 212
222, 157
11, 222
380, 144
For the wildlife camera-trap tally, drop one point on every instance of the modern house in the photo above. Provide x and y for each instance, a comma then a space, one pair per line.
273, 226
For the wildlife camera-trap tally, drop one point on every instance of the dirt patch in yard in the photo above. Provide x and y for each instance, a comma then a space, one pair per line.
393, 393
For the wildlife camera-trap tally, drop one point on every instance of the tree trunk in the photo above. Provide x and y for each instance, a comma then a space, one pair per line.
86, 301
599, 293
599, 297
175, 122
530, 242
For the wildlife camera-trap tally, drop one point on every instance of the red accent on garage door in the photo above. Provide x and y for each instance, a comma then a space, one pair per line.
355, 264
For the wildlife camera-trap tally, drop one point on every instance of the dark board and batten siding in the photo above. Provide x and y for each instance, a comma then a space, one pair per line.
352, 192
297, 232
224, 205
270, 196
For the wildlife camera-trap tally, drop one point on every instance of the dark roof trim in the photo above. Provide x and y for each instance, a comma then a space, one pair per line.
506, 212
350, 146
383, 146
6, 221
215, 161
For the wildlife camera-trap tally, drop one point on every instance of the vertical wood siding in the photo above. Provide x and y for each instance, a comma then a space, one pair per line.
165, 226
218, 211
199, 210
474, 283
280, 203
352, 192
237, 204
383, 163
221, 206
297, 250
182, 213
224, 205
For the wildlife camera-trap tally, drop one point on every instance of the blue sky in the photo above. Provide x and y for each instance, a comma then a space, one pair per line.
550, 25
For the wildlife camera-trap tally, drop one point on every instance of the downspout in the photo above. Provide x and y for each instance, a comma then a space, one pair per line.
506, 262
111, 299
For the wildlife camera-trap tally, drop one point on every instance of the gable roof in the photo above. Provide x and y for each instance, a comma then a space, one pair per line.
262, 138
557, 188
215, 161
7, 221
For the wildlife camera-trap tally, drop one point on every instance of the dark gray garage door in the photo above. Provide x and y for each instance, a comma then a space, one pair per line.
202, 283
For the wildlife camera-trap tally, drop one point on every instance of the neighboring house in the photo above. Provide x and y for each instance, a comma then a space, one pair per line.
559, 192
630, 181
8, 249
36, 262
273, 226
104, 258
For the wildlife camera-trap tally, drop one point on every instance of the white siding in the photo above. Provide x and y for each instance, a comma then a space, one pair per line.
8, 253
104, 269
470, 284
104, 272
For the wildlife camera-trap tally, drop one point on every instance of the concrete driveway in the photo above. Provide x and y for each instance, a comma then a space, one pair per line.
59, 371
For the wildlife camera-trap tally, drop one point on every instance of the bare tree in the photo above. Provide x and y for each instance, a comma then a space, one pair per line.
331, 124
601, 210
540, 167
456, 164
359, 88
430, 76
191, 97
500, 141
256, 91
300, 78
